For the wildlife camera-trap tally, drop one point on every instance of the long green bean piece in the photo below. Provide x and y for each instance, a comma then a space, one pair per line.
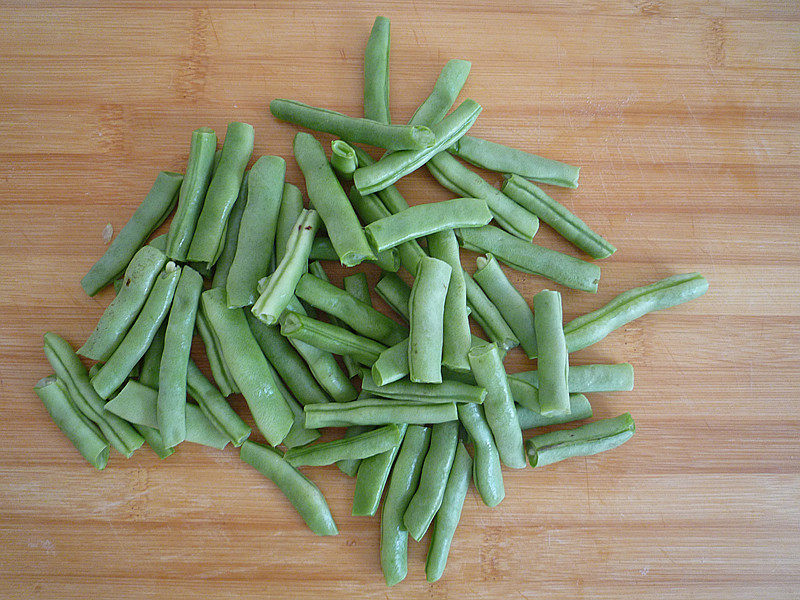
349, 466
299, 434
426, 320
585, 440
378, 411
445, 91
291, 207
222, 267
215, 407
588, 378
553, 358
376, 72
357, 286
363, 445
529, 413
404, 389
487, 471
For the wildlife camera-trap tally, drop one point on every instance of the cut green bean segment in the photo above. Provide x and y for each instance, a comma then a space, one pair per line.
427, 499
298, 434
215, 407
139, 277
343, 159
331, 338
175, 357
557, 216
322, 249
378, 411
426, 320
529, 418
447, 391
150, 364
488, 316
585, 440
219, 369
553, 359
445, 91
84, 435
153, 210
588, 378
223, 265
394, 165
352, 129
502, 159
395, 292
116, 369
373, 473
594, 326
357, 286
376, 73
209, 235
392, 364
389, 196
193, 190
449, 514
137, 403
486, 471
349, 466
403, 483
462, 181
298, 489
363, 445
256, 242
152, 437
248, 366
505, 297
530, 258
291, 207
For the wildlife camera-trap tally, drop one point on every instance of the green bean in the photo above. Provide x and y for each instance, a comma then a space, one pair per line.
222, 267
462, 181
199, 169
290, 209
322, 249
352, 129
343, 159
222, 192
394, 165
579, 408
429, 494
449, 514
392, 364
298, 434
298, 489
159, 243
395, 292
328, 197
137, 403
445, 91
330, 338
217, 157
505, 297
594, 326
84, 435
175, 357
146, 219
389, 196
280, 287
150, 364
248, 366
403, 483
373, 473
487, 367
584, 440
256, 242
530, 258
486, 471
426, 319
349, 466
215, 407
363, 445
588, 378
357, 286
502, 159
376, 73
378, 411
447, 391
456, 332
116, 369
120, 314
488, 316
219, 369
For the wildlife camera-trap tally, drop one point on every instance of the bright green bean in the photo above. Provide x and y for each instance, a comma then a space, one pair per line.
150, 364
219, 369
445, 91
579, 409
343, 159
584, 440
378, 411
357, 286
486, 471
553, 358
392, 364
291, 207
488, 316
589, 378
395, 292
331, 338
404, 389
373, 473
376, 73
223, 265
144, 221
349, 466
426, 320
215, 407
363, 445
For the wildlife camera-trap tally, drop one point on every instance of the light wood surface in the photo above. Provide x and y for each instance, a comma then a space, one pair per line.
685, 118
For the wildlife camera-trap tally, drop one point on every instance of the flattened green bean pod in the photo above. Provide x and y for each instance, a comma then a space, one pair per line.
376, 411
530, 258
488, 316
553, 357
363, 445
144, 221
343, 159
445, 91
392, 364
579, 409
426, 320
486, 471
298, 489
447, 391
219, 369
331, 338
594, 326
585, 440
215, 407
223, 265
588, 378
376, 72
395, 292
291, 207
349, 466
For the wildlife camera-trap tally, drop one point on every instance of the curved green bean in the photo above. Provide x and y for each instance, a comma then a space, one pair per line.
426, 320
215, 407
392, 364
343, 159
445, 91
588, 378
553, 358
363, 445
223, 265
219, 368
529, 418
378, 411
349, 466
331, 338
290, 209
488, 316
376, 72
584, 440
395, 292
486, 471
404, 389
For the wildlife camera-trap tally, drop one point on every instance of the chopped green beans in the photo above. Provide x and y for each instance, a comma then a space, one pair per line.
445, 91
377, 411
589, 378
585, 440
290, 209
363, 445
373, 473
395, 292
215, 407
426, 320
529, 413
223, 265
404, 389
349, 466
488, 316
553, 358
219, 369
487, 471
392, 364
330, 338
343, 159
376, 73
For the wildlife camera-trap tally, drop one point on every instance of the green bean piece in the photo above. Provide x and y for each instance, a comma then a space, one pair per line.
584, 440
486, 471
291, 207
426, 320
429, 494
222, 267
445, 91
193, 190
594, 326
343, 159
322, 249
358, 315
529, 418
256, 243
352, 129
395, 292
69, 369
152, 437
389, 196
363, 445
403, 483
298, 489
217, 157
394, 165
588, 378
280, 287
376, 73
84, 435
449, 514
156, 206
404, 389
373, 473
249, 367
357, 286
456, 332
378, 411
298, 434
175, 358
331, 338
502, 159
219, 369
349, 466
529, 258
392, 364
457, 178
116, 369
150, 364
214, 406
328, 197
138, 403
209, 235
488, 316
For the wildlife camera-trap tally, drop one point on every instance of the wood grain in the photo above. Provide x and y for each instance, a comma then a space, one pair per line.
685, 118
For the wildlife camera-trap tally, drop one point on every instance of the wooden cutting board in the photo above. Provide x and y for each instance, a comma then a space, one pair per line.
685, 119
